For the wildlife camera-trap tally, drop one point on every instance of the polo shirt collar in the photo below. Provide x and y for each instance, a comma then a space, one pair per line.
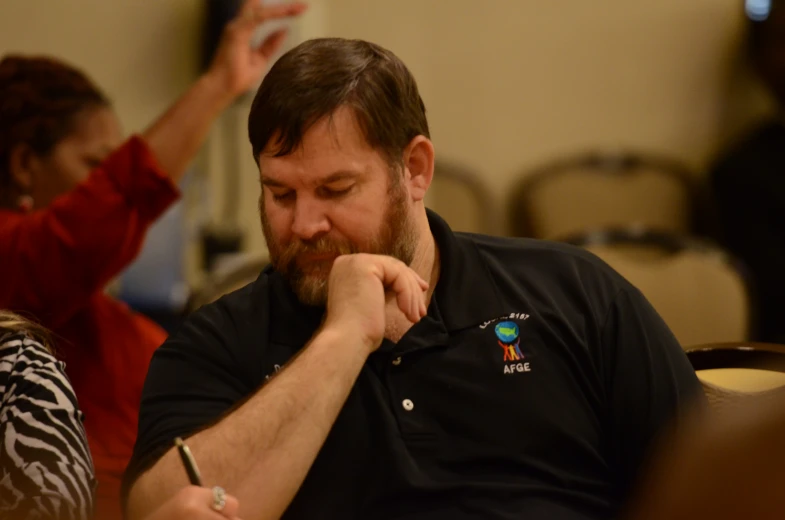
466, 293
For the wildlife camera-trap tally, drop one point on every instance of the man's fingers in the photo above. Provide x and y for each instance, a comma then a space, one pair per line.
407, 285
421, 287
419, 299
417, 296
231, 508
396, 280
392, 268
414, 305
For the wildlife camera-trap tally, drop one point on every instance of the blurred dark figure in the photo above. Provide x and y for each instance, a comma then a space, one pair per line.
749, 179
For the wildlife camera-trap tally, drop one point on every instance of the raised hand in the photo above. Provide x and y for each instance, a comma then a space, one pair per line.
238, 65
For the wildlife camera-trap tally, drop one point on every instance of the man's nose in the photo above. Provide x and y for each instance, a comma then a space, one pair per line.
310, 220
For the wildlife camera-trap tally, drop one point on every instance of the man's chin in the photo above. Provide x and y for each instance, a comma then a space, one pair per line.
311, 291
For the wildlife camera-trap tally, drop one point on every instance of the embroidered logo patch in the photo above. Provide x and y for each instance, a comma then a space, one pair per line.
509, 340
508, 337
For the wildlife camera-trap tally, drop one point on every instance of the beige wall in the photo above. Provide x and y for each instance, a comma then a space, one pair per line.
511, 83
143, 53
508, 83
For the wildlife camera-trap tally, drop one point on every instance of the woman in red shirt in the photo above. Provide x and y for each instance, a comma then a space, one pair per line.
74, 209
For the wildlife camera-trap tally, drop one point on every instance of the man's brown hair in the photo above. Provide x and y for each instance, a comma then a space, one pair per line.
319, 76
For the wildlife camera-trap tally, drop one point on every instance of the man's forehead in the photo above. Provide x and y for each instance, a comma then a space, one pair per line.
338, 132
312, 165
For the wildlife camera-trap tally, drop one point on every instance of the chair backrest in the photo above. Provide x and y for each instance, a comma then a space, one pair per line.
604, 190
234, 275
698, 289
733, 371
459, 196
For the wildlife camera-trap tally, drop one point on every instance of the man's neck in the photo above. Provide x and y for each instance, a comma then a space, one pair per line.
426, 264
426, 258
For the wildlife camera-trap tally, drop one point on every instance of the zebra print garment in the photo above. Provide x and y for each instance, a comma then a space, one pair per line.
45, 467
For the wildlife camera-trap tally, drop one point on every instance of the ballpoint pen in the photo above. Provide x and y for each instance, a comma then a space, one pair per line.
188, 461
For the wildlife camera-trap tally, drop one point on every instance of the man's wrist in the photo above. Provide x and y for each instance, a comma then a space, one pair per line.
345, 335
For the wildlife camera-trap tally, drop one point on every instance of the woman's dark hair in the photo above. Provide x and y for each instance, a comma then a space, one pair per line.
319, 76
39, 98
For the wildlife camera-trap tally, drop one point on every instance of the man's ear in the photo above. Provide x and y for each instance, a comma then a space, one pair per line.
22, 164
418, 166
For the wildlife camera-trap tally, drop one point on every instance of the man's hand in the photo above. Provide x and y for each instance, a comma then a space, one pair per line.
358, 287
194, 503
236, 65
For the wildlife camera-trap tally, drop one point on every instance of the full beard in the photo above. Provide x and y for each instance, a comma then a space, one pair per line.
397, 237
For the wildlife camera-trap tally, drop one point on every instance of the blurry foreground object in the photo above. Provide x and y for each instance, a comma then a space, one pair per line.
699, 290
725, 465
598, 190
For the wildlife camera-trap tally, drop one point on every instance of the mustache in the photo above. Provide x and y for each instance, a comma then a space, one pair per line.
321, 246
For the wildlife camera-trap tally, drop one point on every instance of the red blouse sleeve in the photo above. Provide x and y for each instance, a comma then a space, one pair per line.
54, 259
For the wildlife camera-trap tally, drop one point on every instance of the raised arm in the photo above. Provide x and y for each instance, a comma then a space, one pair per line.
58, 257
177, 135
61, 255
262, 451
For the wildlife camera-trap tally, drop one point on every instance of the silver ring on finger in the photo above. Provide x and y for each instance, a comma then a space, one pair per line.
219, 499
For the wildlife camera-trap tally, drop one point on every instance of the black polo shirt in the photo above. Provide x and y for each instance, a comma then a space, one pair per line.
532, 389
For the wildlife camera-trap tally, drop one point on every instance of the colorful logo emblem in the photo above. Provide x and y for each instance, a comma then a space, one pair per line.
508, 334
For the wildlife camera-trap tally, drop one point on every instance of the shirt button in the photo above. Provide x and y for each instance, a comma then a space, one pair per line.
408, 405
397, 361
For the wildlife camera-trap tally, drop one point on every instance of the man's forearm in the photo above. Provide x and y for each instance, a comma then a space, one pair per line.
177, 135
262, 451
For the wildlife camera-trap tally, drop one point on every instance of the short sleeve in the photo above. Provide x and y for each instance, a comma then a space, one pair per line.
45, 466
194, 379
649, 378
